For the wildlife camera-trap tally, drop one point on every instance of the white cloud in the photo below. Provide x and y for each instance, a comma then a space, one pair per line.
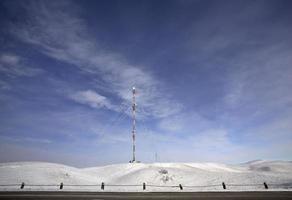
92, 99
257, 74
253, 56
258, 87
9, 59
13, 66
63, 35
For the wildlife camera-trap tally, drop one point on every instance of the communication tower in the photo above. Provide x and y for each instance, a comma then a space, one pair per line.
134, 124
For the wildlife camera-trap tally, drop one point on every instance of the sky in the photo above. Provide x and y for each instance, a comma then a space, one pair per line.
213, 81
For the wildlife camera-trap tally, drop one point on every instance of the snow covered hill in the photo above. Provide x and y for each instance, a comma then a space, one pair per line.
157, 176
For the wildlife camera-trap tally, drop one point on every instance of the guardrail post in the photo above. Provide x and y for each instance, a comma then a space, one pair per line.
22, 185
144, 186
224, 186
181, 187
266, 186
61, 186
102, 185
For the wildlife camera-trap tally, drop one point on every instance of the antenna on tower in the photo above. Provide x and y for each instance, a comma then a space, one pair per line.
134, 124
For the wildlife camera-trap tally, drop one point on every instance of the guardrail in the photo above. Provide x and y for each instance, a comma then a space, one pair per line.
144, 186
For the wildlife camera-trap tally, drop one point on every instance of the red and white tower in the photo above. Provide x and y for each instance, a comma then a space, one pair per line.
134, 124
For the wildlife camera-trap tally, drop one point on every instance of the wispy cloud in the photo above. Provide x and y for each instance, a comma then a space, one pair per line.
12, 66
63, 35
9, 59
229, 67
92, 99
251, 60
262, 77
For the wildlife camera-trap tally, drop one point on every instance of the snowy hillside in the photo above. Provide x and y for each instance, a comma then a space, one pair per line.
157, 176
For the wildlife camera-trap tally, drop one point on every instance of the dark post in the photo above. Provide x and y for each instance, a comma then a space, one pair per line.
22, 185
181, 187
144, 186
61, 186
102, 185
266, 186
224, 186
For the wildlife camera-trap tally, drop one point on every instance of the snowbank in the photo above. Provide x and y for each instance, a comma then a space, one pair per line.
157, 176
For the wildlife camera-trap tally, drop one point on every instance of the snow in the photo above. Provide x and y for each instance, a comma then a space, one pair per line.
157, 176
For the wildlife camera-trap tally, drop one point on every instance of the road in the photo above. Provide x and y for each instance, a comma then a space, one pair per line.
146, 195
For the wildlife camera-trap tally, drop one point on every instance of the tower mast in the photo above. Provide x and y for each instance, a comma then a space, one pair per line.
134, 124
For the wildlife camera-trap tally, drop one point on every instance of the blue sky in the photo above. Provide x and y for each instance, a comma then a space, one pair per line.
214, 80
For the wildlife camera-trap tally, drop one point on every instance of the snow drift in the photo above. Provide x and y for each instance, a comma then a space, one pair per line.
157, 176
